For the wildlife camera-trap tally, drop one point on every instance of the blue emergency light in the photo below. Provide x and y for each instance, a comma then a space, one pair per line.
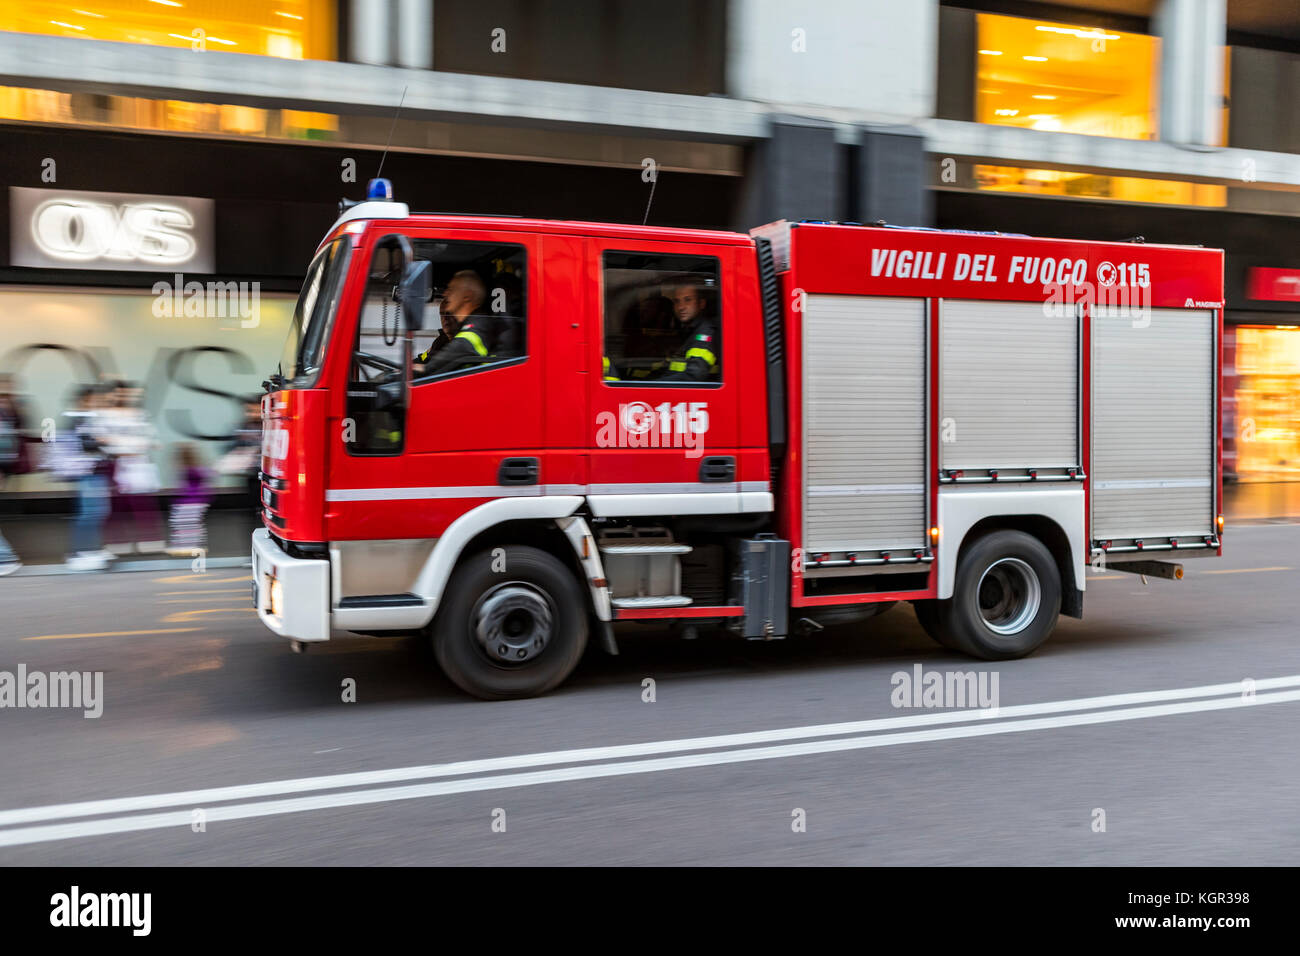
381, 189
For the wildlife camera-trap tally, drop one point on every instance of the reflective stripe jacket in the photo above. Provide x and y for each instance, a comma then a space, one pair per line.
698, 357
470, 346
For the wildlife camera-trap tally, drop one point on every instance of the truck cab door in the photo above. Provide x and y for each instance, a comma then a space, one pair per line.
409, 458
665, 387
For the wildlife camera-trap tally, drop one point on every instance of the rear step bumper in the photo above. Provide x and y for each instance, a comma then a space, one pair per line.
637, 603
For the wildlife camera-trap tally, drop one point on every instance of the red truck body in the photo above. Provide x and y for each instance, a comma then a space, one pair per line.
882, 400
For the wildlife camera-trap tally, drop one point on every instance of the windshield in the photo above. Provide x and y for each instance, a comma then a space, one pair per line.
304, 348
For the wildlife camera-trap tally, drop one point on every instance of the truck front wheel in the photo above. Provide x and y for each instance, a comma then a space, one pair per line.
1006, 597
513, 623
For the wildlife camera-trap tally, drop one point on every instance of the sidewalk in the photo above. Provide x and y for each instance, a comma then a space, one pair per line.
43, 539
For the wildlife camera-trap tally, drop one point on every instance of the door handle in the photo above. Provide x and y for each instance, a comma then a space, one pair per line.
718, 468
518, 471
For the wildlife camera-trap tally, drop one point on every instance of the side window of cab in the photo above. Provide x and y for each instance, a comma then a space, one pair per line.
662, 319
477, 318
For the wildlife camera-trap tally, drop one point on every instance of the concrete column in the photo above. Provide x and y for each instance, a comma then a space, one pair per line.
1192, 36
415, 34
890, 174
875, 55
796, 173
371, 27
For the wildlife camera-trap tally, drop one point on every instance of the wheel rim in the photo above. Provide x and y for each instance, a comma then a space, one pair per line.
1009, 596
512, 623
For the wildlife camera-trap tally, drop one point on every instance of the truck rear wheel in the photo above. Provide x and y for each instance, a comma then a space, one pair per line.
1006, 597
511, 624
927, 613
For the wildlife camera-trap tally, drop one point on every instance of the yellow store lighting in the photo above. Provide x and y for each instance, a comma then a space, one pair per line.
166, 3
990, 52
1044, 96
1081, 34
66, 26
287, 16
1035, 59
1007, 112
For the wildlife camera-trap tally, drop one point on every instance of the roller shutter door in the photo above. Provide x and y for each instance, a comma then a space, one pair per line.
1153, 424
1009, 396
864, 413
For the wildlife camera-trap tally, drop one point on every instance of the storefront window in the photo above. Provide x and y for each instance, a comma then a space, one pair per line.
173, 116
291, 29
1058, 77
196, 370
1268, 403
1087, 185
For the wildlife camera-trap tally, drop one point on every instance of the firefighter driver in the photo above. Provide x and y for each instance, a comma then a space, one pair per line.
467, 335
697, 357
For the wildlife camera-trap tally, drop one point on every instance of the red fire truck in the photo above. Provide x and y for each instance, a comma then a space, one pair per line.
506, 435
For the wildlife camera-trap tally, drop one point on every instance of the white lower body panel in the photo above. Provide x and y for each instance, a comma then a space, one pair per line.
962, 507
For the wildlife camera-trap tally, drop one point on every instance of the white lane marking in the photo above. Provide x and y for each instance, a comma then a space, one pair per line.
245, 811
1244, 570
460, 768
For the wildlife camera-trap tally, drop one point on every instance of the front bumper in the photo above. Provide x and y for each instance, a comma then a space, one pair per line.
299, 608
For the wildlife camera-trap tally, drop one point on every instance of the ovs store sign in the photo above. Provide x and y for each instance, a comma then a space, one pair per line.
70, 229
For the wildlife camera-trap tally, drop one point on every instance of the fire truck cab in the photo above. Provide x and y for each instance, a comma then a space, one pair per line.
504, 435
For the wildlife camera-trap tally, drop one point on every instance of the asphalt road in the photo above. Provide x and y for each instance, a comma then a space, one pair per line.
248, 754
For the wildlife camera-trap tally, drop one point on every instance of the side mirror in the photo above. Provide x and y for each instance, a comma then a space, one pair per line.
417, 283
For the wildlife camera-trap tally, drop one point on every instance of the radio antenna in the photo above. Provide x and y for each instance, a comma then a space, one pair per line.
390, 131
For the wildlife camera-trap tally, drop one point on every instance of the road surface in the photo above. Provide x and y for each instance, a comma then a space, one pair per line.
217, 745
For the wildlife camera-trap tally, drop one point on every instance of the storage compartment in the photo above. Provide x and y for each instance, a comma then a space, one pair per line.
864, 441
1009, 393
1153, 426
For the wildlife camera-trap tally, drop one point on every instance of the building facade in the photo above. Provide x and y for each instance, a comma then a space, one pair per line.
239, 125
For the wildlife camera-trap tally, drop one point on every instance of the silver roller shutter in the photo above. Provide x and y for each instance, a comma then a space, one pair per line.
864, 396
1153, 424
1009, 394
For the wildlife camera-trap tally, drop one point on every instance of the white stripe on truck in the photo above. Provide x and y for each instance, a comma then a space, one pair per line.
536, 491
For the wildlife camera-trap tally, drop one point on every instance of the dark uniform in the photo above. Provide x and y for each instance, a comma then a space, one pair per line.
698, 358
474, 340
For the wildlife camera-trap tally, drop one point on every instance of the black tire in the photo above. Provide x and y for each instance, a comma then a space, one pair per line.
1006, 597
927, 613
532, 610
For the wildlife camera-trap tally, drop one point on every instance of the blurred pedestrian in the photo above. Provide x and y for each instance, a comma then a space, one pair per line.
244, 457
135, 520
13, 458
190, 506
77, 454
